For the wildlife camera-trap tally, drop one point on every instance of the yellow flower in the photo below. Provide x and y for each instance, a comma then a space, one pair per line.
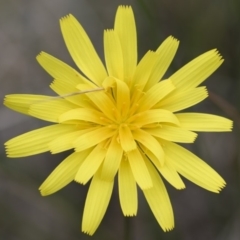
125, 121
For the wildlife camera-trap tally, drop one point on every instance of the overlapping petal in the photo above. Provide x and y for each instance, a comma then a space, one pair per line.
112, 160
172, 133
150, 143
125, 27
170, 173
113, 54
22, 102
143, 71
126, 138
65, 141
182, 100
127, 189
71, 93
83, 114
96, 203
92, 138
193, 168
60, 70
139, 169
154, 116
158, 200
166, 52
203, 122
196, 71
155, 94
64, 173
104, 104
36, 141
50, 109
123, 98
91, 164
81, 49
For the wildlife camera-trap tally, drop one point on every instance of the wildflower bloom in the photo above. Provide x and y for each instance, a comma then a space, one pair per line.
126, 121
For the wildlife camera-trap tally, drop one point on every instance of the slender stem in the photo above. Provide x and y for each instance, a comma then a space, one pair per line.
127, 228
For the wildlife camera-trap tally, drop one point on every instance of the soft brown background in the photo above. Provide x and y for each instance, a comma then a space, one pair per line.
30, 26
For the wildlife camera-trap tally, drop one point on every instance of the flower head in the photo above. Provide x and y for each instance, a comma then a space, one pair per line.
120, 119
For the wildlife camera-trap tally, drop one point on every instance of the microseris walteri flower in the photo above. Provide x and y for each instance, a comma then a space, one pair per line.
122, 119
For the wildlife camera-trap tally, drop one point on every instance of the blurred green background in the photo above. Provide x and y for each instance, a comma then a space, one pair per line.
30, 26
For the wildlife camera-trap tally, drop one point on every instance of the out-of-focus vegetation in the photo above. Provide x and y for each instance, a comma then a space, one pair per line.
30, 26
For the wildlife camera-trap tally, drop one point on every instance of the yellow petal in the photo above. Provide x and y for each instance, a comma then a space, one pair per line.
51, 109
92, 138
143, 70
158, 200
108, 83
123, 98
21, 102
71, 93
126, 29
139, 169
148, 155
204, 122
60, 70
65, 142
150, 143
153, 116
127, 190
166, 53
172, 133
171, 175
83, 114
112, 160
196, 71
113, 54
119, 94
81, 49
181, 100
155, 94
91, 164
126, 138
104, 104
64, 173
96, 203
35, 141
193, 168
